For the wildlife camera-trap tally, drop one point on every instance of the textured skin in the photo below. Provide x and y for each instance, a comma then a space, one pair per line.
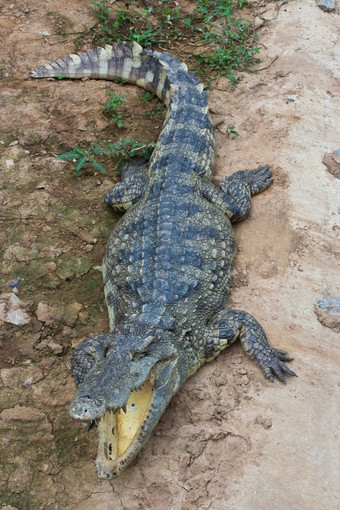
168, 262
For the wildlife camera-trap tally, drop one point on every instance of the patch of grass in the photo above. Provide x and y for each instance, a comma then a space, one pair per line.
120, 152
1, 71
229, 41
157, 110
111, 105
146, 97
123, 150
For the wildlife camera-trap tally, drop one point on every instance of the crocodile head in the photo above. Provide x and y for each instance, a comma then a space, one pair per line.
127, 392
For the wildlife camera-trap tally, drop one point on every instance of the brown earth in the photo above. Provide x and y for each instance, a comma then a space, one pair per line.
230, 439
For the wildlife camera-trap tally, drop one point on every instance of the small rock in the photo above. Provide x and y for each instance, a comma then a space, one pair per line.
332, 162
84, 317
70, 268
42, 185
55, 347
71, 313
34, 425
328, 312
9, 163
50, 267
87, 237
265, 422
12, 310
326, 5
14, 283
48, 314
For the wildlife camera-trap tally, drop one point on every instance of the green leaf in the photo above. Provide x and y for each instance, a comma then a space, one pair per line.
80, 151
69, 155
97, 165
80, 165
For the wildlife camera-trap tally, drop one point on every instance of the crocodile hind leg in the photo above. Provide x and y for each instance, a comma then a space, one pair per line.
234, 197
87, 353
131, 188
229, 325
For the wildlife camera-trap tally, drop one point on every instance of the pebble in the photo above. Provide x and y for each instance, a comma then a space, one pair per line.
332, 162
9, 163
328, 312
14, 283
326, 5
12, 310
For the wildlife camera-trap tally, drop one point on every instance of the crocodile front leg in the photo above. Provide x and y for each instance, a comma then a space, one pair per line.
229, 325
237, 190
131, 188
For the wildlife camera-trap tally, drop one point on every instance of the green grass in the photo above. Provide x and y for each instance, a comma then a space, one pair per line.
110, 108
120, 152
229, 41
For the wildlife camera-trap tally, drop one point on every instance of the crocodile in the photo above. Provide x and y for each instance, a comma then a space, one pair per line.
167, 265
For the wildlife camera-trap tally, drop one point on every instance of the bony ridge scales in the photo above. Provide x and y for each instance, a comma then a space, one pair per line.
167, 265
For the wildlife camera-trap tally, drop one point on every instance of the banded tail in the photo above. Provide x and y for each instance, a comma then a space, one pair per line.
148, 69
159, 73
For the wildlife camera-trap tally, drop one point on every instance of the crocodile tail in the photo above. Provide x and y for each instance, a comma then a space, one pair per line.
151, 70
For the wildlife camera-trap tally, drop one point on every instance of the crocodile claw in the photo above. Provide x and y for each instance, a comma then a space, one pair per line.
271, 363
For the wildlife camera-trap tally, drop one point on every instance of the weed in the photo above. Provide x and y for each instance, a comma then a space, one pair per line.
146, 97
157, 110
120, 152
123, 150
111, 105
229, 42
80, 157
230, 131
1, 71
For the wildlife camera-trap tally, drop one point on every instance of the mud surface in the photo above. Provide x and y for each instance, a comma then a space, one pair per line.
230, 439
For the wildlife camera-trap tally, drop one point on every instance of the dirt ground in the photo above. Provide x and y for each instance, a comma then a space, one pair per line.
230, 439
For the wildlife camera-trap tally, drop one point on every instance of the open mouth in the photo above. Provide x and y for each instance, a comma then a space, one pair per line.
122, 432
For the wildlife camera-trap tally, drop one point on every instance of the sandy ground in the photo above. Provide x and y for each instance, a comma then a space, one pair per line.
230, 439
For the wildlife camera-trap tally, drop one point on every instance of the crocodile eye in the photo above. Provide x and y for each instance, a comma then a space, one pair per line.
136, 355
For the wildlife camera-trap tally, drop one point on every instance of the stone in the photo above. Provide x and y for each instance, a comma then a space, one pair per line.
332, 162
25, 422
49, 314
12, 310
328, 312
71, 268
71, 313
326, 5
55, 347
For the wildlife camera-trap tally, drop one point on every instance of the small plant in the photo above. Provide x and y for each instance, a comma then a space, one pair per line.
123, 151
1, 70
120, 152
111, 105
157, 110
61, 76
146, 97
80, 157
230, 131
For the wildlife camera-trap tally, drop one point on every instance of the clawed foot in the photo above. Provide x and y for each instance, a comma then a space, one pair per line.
259, 179
271, 362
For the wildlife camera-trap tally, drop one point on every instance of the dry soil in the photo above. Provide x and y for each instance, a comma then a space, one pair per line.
230, 439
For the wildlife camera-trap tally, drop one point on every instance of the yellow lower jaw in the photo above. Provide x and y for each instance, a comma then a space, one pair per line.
118, 429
